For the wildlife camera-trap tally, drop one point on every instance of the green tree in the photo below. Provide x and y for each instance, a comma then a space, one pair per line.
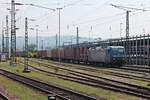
32, 50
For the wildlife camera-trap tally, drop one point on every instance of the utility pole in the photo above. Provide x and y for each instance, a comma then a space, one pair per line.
77, 35
127, 9
90, 32
37, 39
26, 69
127, 37
13, 35
78, 51
127, 43
127, 24
121, 30
59, 30
71, 40
42, 48
3, 39
56, 41
7, 37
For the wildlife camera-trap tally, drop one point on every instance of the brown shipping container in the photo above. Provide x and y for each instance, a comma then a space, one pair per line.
54, 53
42, 53
76, 53
69, 52
83, 53
61, 53
49, 54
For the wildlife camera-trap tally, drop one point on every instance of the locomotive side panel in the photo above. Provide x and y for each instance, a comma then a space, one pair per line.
97, 55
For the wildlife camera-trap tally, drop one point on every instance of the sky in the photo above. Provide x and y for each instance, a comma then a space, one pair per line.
95, 18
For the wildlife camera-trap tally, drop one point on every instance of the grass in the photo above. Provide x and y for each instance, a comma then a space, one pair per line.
72, 85
21, 91
100, 72
88, 68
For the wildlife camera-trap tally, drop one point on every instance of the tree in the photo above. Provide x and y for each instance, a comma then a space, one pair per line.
32, 50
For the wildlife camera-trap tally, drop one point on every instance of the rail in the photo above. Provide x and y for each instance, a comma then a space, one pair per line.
61, 93
107, 83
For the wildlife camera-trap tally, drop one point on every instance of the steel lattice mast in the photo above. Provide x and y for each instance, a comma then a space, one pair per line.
13, 34
3, 40
37, 39
7, 37
26, 47
128, 10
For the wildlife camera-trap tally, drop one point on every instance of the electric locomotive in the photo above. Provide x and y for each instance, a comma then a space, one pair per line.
112, 55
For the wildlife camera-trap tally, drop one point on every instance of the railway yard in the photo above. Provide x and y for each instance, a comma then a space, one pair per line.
75, 81
81, 50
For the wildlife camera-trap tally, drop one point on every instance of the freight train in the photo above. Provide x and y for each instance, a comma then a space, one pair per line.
109, 55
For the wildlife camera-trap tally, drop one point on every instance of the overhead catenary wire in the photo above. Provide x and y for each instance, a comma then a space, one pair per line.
94, 20
72, 4
108, 21
100, 18
68, 6
39, 6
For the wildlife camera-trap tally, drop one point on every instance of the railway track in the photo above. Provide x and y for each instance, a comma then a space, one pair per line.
131, 69
61, 93
137, 69
138, 66
3, 97
103, 83
127, 68
122, 75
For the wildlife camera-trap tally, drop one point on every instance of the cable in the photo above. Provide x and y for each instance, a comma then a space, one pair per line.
110, 21
39, 6
106, 17
72, 4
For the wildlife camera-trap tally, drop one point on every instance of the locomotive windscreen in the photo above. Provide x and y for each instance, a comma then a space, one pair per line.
117, 51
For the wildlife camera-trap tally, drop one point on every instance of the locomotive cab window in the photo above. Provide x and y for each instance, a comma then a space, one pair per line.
117, 51
121, 50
